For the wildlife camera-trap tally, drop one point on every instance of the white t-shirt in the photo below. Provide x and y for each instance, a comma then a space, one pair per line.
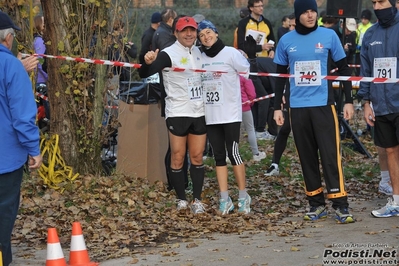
222, 92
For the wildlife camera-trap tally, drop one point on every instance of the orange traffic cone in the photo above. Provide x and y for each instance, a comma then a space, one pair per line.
55, 256
78, 255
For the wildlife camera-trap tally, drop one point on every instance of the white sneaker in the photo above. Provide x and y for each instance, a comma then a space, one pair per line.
269, 136
257, 157
389, 210
225, 206
197, 206
181, 204
265, 136
244, 205
260, 135
385, 188
273, 170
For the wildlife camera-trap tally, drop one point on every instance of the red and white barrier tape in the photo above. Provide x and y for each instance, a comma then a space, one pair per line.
41, 96
86, 60
336, 78
259, 99
124, 64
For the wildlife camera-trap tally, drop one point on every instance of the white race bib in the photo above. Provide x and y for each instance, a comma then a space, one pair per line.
213, 92
153, 78
194, 88
307, 68
385, 67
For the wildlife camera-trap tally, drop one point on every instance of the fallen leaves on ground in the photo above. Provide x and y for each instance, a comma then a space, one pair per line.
123, 215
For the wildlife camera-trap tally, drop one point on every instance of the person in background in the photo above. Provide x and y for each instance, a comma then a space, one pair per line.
223, 112
184, 109
307, 50
146, 38
244, 12
379, 59
146, 45
248, 94
284, 28
41, 74
19, 135
365, 23
164, 36
256, 22
265, 126
320, 19
285, 130
198, 18
40, 48
292, 23
332, 23
350, 40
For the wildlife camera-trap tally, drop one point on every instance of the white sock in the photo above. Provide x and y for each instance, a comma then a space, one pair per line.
385, 178
224, 195
242, 194
275, 165
396, 199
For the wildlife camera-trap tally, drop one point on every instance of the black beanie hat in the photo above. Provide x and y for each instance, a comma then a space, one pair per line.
366, 14
300, 6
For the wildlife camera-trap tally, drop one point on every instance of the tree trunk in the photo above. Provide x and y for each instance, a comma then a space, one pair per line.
76, 103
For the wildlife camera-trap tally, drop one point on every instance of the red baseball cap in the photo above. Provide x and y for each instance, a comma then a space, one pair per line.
185, 22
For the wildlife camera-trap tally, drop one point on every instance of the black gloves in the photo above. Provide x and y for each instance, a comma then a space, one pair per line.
250, 47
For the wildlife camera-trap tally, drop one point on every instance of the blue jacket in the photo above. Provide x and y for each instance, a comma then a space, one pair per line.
19, 135
379, 42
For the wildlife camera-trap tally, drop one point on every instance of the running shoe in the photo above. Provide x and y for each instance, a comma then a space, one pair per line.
316, 213
181, 204
385, 188
244, 205
389, 210
197, 206
225, 206
265, 136
261, 155
342, 216
273, 170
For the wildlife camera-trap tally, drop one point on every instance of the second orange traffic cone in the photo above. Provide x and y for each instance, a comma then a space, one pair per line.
55, 256
78, 255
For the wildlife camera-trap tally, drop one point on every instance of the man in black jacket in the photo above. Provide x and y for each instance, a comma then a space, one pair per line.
163, 36
146, 38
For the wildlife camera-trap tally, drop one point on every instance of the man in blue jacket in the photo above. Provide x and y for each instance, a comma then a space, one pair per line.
379, 59
19, 135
